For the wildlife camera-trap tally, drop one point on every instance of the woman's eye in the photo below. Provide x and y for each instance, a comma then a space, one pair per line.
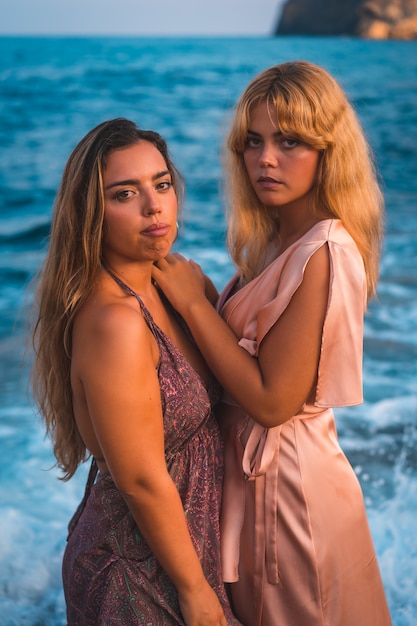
289, 142
123, 194
164, 185
252, 142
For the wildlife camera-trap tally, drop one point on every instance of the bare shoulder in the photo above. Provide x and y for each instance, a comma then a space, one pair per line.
107, 326
103, 316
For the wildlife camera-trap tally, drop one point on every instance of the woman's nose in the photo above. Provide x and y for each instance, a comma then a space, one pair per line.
151, 204
267, 156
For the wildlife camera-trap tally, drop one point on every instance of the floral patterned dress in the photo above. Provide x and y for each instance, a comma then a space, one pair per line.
110, 575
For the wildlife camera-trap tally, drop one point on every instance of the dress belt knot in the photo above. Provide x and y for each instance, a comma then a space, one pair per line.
260, 455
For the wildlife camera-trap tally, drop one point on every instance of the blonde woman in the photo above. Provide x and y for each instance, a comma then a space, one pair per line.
305, 229
117, 377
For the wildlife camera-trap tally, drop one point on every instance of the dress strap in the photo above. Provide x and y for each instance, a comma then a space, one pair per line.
92, 475
130, 291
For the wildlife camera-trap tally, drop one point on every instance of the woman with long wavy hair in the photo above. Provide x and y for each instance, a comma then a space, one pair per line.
118, 377
305, 230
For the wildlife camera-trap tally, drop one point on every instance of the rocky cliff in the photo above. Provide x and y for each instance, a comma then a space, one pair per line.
371, 19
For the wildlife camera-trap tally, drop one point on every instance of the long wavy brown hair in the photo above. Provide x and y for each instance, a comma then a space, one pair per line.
311, 106
69, 273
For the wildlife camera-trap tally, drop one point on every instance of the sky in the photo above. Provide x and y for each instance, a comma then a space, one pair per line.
139, 17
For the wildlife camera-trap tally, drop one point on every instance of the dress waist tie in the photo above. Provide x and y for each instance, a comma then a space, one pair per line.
262, 454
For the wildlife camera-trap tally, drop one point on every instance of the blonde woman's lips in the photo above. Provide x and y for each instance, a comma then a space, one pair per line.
268, 181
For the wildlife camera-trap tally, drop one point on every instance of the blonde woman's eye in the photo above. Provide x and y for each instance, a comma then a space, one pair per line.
290, 142
252, 142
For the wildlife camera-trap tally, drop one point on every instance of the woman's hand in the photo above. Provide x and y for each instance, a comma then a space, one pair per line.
272, 386
201, 607
211, 290
182, 281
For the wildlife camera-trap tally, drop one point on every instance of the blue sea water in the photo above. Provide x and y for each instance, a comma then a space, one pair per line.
52, 91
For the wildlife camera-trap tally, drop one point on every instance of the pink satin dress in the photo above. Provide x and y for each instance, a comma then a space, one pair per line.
296, 545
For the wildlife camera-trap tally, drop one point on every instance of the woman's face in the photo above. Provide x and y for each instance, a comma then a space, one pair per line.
140, 205
281, 169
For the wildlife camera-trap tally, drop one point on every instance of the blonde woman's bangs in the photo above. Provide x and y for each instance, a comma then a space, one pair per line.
295, 119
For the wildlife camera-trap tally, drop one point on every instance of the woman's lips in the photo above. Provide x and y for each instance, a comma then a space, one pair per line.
267, 181
156, 230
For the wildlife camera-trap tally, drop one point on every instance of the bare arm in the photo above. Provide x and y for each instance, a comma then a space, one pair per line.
273, 387
122, 390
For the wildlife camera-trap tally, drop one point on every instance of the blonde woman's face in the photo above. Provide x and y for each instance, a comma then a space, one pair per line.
140, 204
280, 168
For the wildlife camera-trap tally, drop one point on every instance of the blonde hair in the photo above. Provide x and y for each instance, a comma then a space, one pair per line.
69, 273
311, 106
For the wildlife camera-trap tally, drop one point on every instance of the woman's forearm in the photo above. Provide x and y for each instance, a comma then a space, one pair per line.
158, 511
236, 370
273, 386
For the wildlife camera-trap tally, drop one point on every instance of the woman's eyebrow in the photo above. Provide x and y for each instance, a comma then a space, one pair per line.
278, 133
135, 181
117, 183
